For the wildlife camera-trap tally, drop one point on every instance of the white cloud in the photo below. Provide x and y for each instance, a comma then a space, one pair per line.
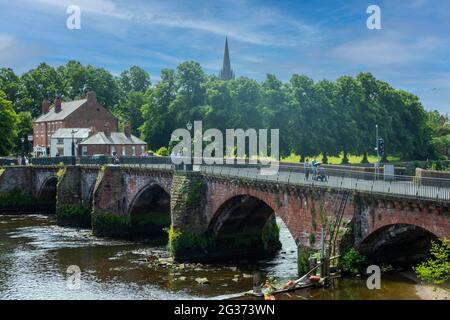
13, 53
243, 23
386, 50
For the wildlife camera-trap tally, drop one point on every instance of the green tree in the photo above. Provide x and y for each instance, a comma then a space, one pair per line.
439, 127
158, 121
75, 78
8, 123
105, 86
348, 99
42, 82
135, 79
24, 128
305, 131
274, 110
129, 110
10, 84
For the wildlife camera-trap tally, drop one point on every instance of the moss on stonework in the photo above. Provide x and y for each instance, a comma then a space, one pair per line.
111, 224
195, 193
191, 190
180, 241
16, 197
71, 210
186, 243
60, 173
245, 238
152, 218
270, 235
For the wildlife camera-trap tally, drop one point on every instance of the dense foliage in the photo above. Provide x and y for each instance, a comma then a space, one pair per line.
313, 116
437, 268
352, 261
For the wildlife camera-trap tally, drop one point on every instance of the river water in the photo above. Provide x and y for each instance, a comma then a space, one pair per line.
35, 254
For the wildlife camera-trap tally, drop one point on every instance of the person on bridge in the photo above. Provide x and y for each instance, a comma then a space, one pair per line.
307, 166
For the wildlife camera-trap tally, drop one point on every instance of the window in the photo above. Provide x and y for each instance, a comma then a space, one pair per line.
60, 141
124, 151
142, 149
133, 150
113, 150
84, 150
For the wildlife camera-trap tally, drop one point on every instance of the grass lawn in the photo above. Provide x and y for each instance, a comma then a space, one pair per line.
338, 160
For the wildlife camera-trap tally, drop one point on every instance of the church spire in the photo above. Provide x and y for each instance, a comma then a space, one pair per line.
226, 73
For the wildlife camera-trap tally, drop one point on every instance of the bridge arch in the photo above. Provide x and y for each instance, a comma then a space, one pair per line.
149, 211
398, 244
245, 225
47, 189
46, 194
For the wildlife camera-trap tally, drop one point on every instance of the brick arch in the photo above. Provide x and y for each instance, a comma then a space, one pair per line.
142, 190
88, 182
267, 199
41, 177
291, 207
397, 243
434, 221
45, 183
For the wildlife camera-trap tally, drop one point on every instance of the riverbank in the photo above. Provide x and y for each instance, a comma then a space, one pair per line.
428, 291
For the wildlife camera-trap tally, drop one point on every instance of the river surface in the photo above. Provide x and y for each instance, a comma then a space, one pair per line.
35, 254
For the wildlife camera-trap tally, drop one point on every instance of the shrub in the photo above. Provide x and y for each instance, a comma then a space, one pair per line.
163, 152
352, 261
436, 269
303, 260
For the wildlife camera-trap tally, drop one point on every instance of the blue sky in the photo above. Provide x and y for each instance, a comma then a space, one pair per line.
320, 38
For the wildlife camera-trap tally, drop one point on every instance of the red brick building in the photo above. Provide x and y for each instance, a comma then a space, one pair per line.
108, 143
83, 113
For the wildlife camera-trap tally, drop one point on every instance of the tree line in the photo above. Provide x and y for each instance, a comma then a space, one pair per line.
314, 117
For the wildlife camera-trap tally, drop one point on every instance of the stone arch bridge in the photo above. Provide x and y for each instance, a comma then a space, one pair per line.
222, 213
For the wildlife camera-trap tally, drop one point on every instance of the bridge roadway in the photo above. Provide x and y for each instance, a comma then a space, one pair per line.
436, 190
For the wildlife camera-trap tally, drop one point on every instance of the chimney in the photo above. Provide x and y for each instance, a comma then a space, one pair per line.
92, 131
127, 129
45, 106
107, 129
91, 96
57, 103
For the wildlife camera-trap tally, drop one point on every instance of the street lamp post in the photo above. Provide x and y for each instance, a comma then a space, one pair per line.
73, 147
23, 145
377, 167
23, 149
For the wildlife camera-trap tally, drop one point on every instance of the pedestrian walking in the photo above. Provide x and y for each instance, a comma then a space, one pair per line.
306, 166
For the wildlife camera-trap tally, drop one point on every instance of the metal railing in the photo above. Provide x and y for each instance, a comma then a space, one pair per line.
434, 189
8, 161
52, 161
